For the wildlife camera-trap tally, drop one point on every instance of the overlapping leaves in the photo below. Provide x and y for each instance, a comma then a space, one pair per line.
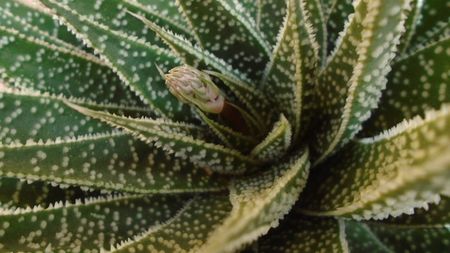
91, 137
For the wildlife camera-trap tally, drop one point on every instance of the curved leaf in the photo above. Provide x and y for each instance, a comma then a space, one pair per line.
15, 193
425, 230
259, 202
222, 22
269, 18
203, 154
418, 82
305, 234
132, 59
36, 22
336, 15
290, 73
350, 85
362, 240
388, 175
276, 143
31, 63
113, 14
185, 232
85, 226
434, 22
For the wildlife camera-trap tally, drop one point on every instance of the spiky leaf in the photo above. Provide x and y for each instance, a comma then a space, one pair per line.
276, 143
133, 59
181, 143
418, 82
390, 174
185, 232
222, 22
290, 72
86, 225
30, 63
305, 234
259, 202
425, 230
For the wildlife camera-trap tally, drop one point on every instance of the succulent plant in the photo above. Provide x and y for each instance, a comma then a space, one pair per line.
225, 126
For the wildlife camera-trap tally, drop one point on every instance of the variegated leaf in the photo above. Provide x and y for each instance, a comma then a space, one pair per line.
16, 193
418, 82
162, 134
31, 63
223, 22
87, 225
259, 202
387, 175
424, 231
133, 59
290, 73
350, 85
185, 232
305, 234
276, 143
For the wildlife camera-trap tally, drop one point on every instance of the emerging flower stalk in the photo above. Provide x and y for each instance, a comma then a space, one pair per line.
192, 86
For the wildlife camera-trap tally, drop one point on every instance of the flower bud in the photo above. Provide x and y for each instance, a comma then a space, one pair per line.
192, 86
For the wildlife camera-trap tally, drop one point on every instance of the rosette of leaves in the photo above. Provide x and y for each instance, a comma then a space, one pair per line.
333, 135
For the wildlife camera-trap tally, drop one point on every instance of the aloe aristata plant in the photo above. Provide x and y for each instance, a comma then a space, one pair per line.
225, 126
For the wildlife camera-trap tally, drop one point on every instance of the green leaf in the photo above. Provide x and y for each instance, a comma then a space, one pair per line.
227, 136
305, 234
251, 7
316, 16
162, 133
336, 14
434, 23
290, 73
269, 18
113, 161
276, 143
259, 202
362, 240
387, 175
16, 193
31, 63
36, 23
186, 232
113, 14
424, 231
223, 22
435, 215
413, 19
190, 54
418, 82
350, 85
133, 59
34, 116
86, 225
